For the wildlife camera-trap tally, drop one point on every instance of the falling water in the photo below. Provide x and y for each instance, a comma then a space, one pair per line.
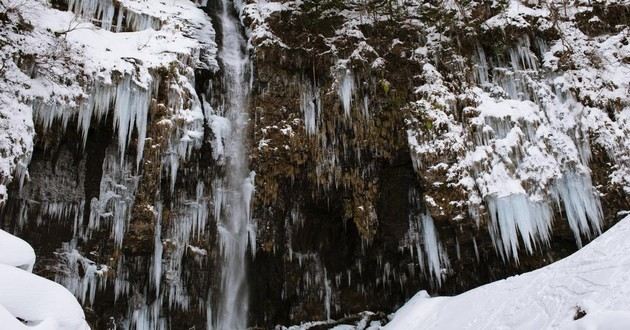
233, 193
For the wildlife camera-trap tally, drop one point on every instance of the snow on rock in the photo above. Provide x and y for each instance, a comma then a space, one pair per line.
63, 66
520, 133
40, 303
10, 322
593, 281
35, 299
16, 252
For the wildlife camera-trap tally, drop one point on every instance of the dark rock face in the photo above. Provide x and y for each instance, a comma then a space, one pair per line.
338, 197
306, 210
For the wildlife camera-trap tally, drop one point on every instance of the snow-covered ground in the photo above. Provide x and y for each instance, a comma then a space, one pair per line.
40, 303
594, 281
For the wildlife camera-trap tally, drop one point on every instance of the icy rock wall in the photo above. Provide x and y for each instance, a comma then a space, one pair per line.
114, 16
476, 137
109, 155
495, 127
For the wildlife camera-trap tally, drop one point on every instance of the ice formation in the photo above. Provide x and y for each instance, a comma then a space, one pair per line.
103, 12
346, 88
529, 147
516, 218
72, 264
117, 191
520, 149
310, 104
581, 205
422, 239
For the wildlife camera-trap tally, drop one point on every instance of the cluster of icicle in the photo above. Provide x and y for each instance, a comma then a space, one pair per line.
189, 216
423, 242
129, 101
113, 17
517, 217
521, 133
332, 145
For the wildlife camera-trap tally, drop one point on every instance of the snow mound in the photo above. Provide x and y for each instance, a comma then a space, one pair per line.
591, 281
16, 252
41, 303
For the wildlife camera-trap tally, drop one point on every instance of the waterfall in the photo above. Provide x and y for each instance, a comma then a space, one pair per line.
234, 192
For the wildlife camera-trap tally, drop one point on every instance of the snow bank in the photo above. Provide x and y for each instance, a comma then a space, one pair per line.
9, 321
16, 252
593, 280
36, 299
41, 303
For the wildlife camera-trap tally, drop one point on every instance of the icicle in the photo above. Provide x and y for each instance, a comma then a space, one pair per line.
422, 236
21, 172
521, 56
116, 197
156, 267
131, 109
516, 215
83, 286
139, 22
581, 204
346, 90
328, 295
45, 114
366, 107
475, 248
436, 256
102, 96
482, 67
101, 11
310, 103
147, 316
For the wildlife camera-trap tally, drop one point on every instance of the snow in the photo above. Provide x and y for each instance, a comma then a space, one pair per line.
40, 303
609, 320
594, 280
10, 322
16, 252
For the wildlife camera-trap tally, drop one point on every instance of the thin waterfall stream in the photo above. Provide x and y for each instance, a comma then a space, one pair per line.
233, 195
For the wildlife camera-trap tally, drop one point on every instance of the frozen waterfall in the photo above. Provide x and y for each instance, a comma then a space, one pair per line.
235, 191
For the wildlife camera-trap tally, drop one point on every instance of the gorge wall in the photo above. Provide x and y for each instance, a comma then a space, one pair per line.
394, 146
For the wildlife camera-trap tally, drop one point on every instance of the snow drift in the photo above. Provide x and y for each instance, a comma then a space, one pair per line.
587, 290
41, 303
